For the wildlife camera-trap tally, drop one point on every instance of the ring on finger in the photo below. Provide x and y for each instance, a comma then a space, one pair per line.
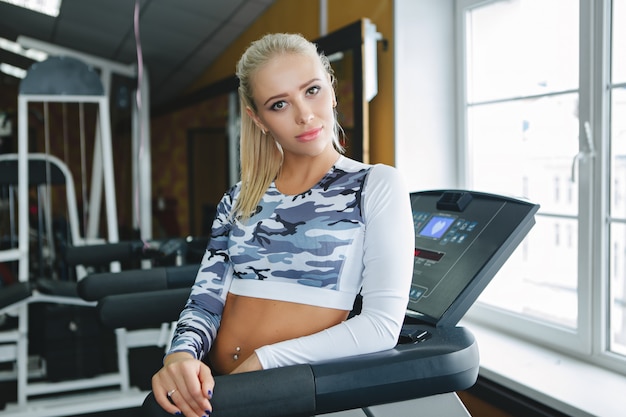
169, 393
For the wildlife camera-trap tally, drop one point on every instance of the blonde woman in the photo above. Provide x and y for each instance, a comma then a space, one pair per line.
293, 243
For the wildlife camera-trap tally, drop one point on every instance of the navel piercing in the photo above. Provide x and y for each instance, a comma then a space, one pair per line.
236, 355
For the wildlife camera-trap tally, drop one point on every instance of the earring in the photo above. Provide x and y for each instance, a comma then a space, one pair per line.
264, 132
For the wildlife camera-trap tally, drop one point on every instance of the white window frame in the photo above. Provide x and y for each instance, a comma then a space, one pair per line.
590, 340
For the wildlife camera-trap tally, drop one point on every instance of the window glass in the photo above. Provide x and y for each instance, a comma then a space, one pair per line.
617, 230
618, 289
526, 147
618, 68
550, 296
516, 49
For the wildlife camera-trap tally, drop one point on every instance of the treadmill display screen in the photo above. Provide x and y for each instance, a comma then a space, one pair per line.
428, 254
437, 226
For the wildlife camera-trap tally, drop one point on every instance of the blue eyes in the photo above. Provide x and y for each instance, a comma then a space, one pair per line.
311, 91
278, 105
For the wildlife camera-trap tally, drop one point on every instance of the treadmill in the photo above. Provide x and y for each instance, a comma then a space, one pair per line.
462, 238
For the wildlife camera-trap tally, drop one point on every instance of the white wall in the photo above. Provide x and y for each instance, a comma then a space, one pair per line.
426, 146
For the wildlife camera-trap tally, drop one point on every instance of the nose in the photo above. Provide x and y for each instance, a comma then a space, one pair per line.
304, 112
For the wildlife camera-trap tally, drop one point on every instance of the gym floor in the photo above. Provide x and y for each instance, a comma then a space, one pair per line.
130, 412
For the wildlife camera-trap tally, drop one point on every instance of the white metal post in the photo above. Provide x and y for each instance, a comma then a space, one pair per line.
22, 354
22, 188
109, 178
95, 196
95, 193
144, 161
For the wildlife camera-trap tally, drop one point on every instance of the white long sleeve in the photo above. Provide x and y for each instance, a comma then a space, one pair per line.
388, 253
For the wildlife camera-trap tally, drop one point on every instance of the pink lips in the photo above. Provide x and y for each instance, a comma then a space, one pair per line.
309, 135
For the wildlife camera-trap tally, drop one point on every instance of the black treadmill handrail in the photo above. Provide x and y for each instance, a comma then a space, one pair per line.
447, 362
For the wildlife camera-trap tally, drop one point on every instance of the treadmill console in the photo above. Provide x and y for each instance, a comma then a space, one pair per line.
462, 238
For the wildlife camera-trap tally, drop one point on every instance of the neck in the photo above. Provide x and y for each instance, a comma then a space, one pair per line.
300, 174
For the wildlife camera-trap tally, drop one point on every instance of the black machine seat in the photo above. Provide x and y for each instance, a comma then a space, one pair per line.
57, 288
141, 297
462, 238
14, 293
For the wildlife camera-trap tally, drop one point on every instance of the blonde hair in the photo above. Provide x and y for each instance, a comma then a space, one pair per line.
260, 155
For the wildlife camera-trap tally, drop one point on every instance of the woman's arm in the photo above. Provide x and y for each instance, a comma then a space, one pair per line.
184, 384
200, 319
388, 269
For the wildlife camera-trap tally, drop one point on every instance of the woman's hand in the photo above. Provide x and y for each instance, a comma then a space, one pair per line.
184, 385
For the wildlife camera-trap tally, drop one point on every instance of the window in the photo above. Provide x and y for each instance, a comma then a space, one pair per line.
539, 122
617, 176
49, 7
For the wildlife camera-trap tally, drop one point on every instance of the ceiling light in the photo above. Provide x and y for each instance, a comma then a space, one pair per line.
49, 7
12, 71
16, 48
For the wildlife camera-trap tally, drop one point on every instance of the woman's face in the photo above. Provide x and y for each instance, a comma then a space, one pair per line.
295, 101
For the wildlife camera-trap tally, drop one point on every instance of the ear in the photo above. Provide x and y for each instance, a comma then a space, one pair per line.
255, 119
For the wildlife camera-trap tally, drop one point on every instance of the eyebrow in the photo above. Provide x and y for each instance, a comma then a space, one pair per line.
285, 94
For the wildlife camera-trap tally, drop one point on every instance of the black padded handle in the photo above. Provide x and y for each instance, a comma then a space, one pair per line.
181, 276
446, 362
14, 293
141, 310
280, 392
97, 286
102, 254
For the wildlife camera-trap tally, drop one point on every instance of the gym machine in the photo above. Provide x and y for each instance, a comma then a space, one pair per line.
462, 238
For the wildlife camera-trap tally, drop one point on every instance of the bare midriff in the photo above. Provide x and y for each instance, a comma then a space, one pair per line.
249, 323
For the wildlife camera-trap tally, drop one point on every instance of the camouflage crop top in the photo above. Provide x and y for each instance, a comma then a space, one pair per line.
351, 232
